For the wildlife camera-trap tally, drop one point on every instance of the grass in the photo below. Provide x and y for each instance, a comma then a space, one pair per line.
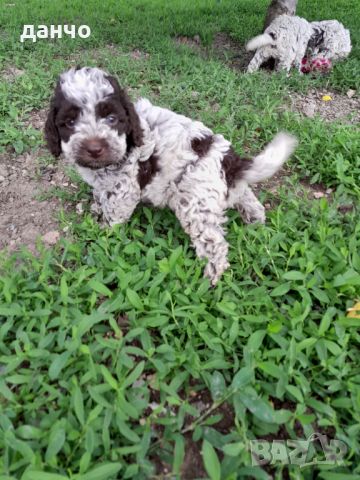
109, 340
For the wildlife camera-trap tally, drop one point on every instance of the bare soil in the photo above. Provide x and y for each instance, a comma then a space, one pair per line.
24, 216
230, 51
193, 466
223, 48
329, 105
11, 73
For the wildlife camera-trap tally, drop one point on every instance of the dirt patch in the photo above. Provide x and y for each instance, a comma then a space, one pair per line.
303, 189
23, 216
11, 73
200, 398
223, 48
193, 42
193, 466
230, 52
139, 55
36, 119
24, 179
329, 105
315, 190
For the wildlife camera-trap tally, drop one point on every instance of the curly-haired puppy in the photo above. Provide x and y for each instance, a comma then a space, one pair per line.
289, 39
139, 152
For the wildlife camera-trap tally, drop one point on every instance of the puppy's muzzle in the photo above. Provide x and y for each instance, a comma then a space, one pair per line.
94, 147
94, 153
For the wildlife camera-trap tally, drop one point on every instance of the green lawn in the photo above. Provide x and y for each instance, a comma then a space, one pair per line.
117, 360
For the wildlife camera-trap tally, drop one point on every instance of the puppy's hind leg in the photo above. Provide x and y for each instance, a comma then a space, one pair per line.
258, 59
261, 167
249, 207
244, 200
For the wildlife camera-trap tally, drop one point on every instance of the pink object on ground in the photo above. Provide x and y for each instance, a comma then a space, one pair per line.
317, 64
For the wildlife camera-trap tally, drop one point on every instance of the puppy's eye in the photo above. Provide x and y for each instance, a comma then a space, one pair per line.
111, 120
70, 123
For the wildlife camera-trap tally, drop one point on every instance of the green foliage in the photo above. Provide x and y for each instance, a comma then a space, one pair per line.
108, 340
96, 330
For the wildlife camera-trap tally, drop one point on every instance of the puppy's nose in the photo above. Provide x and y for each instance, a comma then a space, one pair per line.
94, 147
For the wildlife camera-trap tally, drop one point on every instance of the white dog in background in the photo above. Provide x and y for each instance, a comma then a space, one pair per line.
290, 39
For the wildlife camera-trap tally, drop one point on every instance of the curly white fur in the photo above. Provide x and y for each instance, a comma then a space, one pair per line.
289, 39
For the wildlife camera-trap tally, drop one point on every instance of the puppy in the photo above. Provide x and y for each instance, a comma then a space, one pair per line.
142, 153
290, 39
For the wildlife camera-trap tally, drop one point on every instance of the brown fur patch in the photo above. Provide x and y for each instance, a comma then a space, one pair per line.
234, 167
147, 170
134, 131
201, 146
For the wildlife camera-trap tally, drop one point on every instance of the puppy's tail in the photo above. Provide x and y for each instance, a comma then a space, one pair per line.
259, 41
268, 162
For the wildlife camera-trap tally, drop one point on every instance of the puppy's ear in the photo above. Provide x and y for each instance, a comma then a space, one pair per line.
134, 130
51, 132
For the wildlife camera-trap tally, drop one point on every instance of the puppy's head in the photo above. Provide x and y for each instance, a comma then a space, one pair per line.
91, 120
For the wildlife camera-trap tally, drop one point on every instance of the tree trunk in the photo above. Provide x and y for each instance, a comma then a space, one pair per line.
279, 7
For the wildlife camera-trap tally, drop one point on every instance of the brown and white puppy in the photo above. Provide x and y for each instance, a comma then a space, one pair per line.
131, 153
